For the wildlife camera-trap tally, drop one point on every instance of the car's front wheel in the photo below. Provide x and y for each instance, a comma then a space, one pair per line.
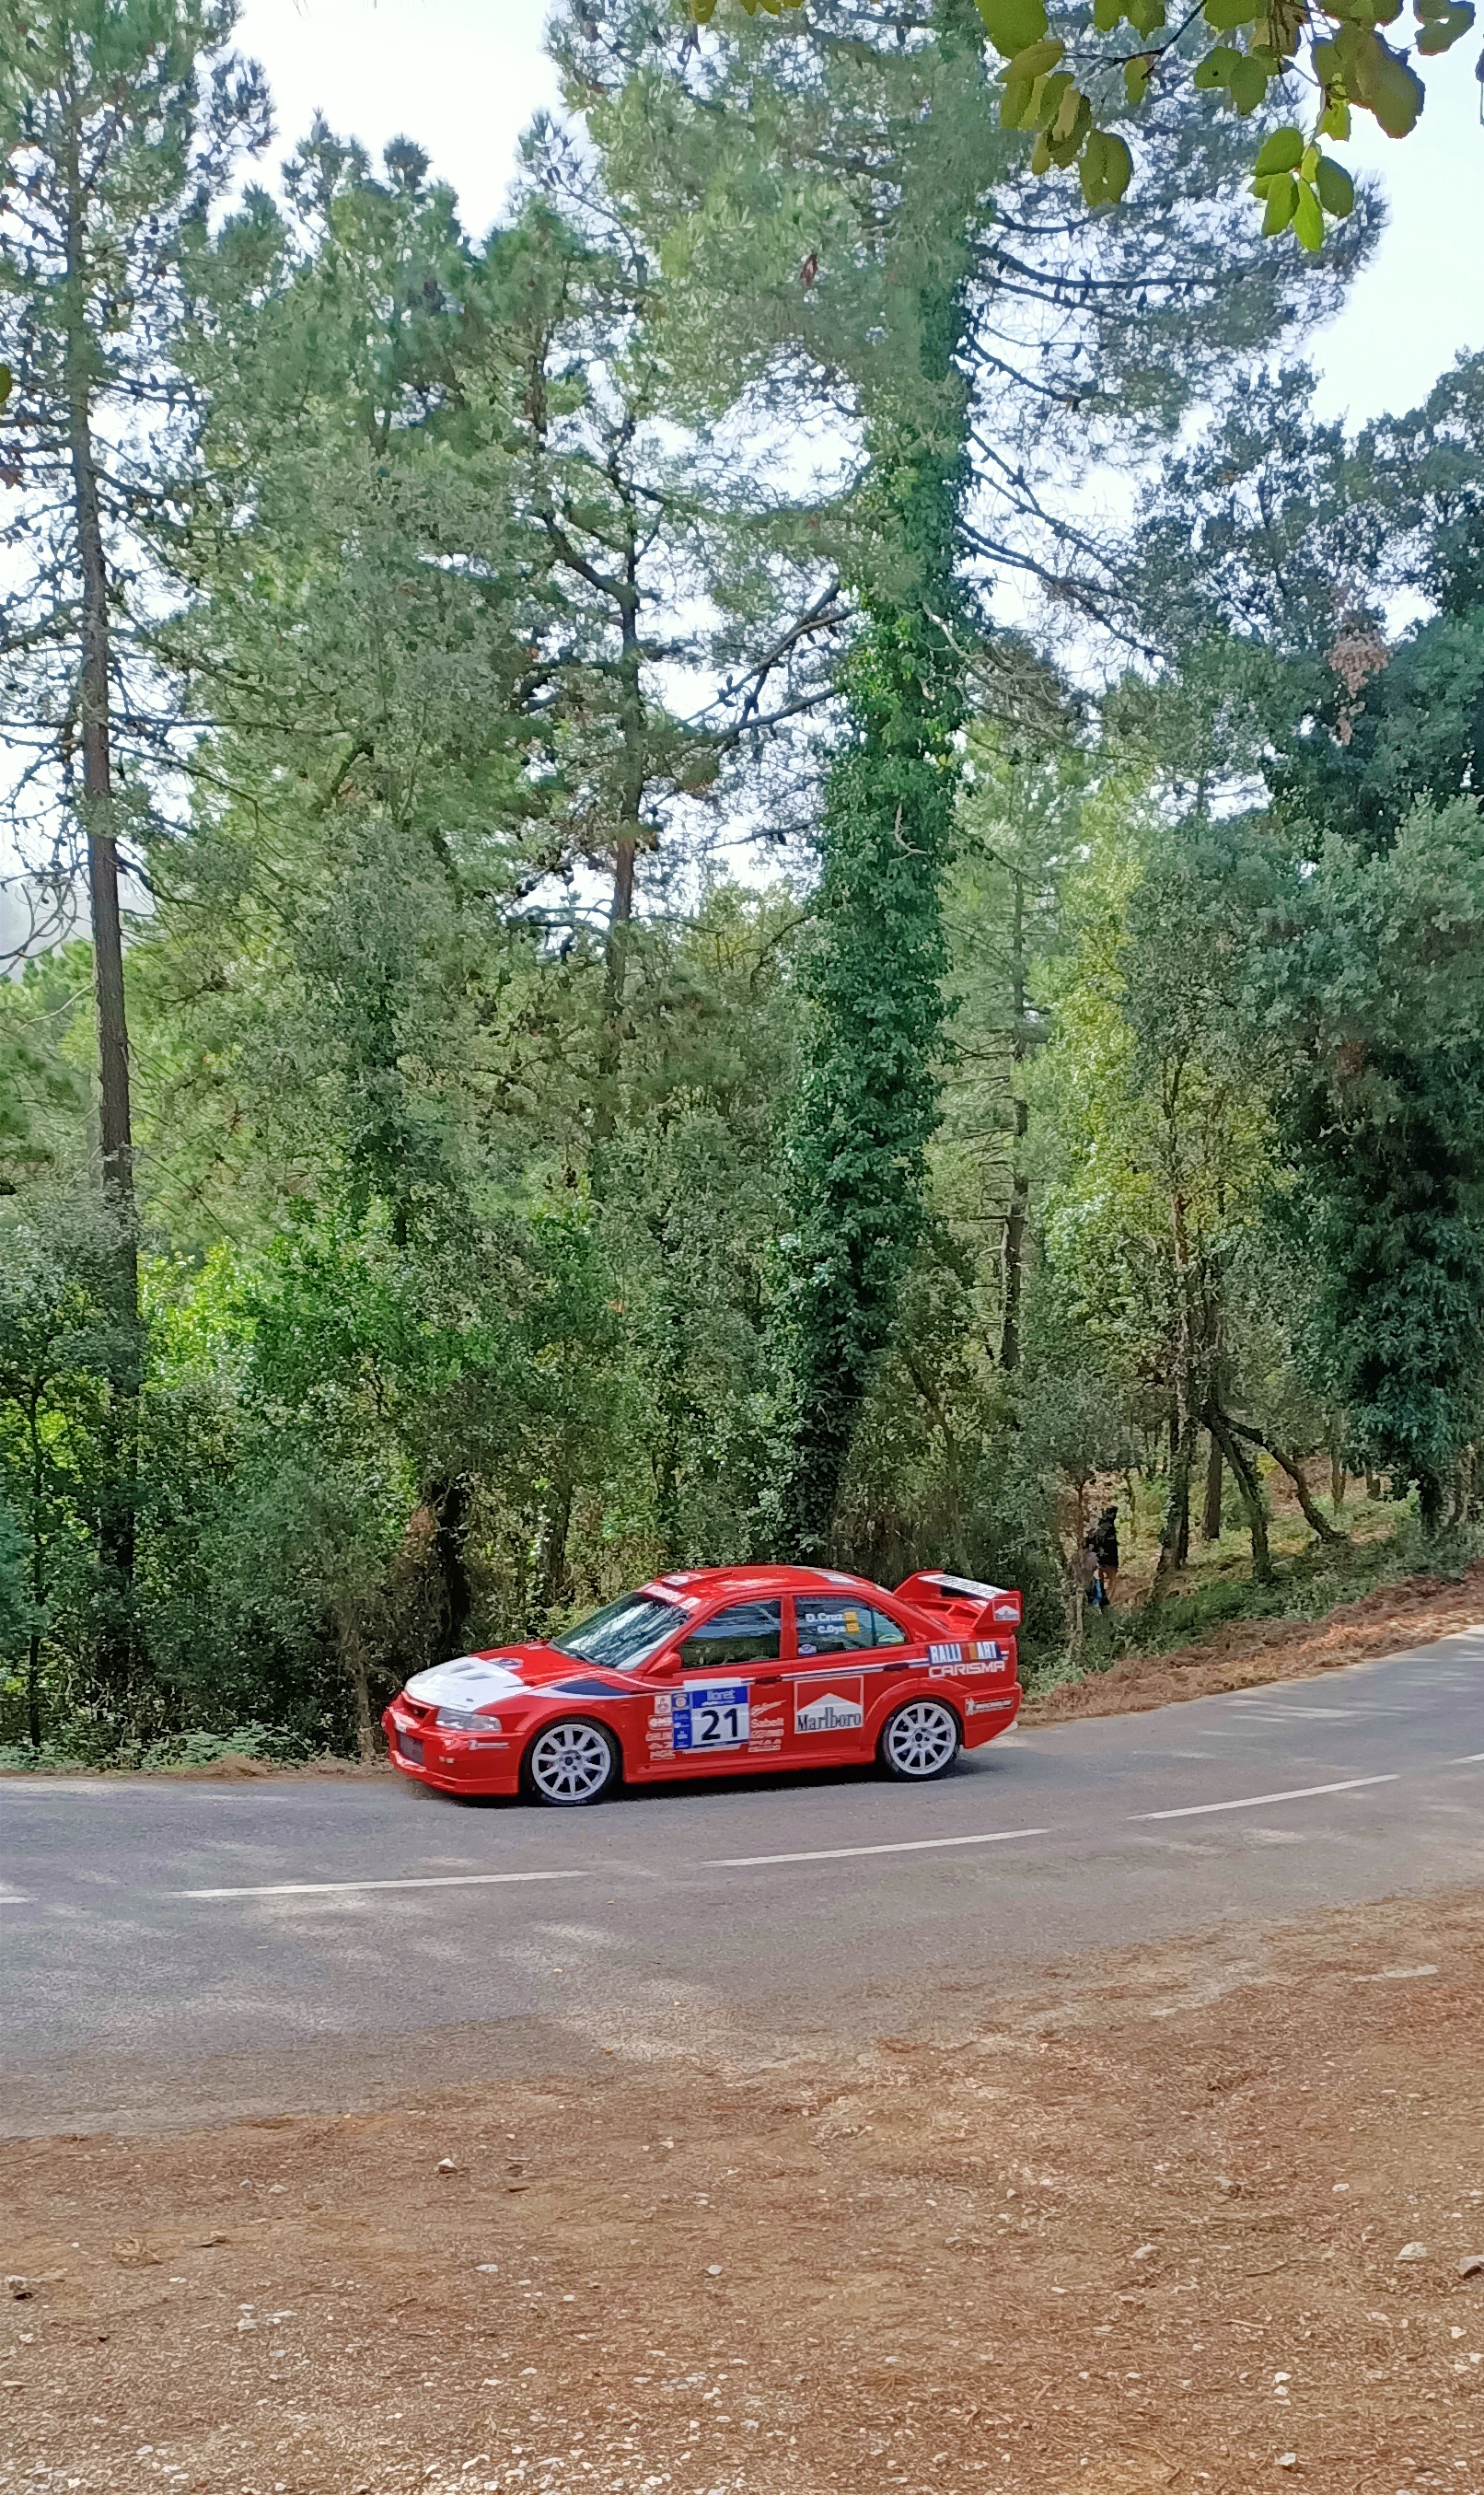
920, 1740
570, 1761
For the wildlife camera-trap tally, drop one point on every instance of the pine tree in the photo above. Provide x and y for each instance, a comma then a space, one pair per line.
120, 124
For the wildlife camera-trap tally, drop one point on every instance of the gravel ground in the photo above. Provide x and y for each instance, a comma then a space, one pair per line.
1190, 2218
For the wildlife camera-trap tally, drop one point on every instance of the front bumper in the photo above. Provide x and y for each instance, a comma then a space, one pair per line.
451, 1762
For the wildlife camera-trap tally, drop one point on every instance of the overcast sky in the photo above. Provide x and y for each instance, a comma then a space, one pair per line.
463, 77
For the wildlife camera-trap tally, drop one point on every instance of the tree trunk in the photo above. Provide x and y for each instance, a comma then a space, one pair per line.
1250, 1487
116, 1527
94, 707
38, 1578
1078, 1576
1020, 1184
448, 1501
1317, 1524
1336, 1484
626, 843
869, 1097
353, 1659
1175, 1533
1211, 1513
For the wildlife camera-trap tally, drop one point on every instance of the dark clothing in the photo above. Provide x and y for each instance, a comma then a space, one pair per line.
1103, 1542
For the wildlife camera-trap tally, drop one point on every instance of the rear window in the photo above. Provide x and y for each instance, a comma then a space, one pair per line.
624, 1634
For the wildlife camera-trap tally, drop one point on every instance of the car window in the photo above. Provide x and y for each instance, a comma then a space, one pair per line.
828, 1625
622, 1634
746, 1633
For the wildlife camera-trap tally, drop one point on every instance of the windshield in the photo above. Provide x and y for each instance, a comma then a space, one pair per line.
623, 1634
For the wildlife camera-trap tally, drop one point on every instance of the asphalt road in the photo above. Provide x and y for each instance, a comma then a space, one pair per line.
239, 1946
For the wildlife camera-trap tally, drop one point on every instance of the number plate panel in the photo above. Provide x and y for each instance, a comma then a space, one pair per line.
710, 1715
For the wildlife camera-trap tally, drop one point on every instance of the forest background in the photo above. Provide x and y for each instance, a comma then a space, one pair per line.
644, 1024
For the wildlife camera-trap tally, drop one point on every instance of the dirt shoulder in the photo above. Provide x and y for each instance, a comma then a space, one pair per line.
1410, 1612
1190, 2218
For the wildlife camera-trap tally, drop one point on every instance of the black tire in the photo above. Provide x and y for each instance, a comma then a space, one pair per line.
920, 1740
571, 1763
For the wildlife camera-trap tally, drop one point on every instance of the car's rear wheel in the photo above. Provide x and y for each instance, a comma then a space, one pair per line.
570, 1763
920, 1740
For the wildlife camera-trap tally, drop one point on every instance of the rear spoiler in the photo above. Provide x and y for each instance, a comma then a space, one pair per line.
932, 1591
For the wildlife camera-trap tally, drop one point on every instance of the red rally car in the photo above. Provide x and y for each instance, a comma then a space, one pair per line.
715, 1670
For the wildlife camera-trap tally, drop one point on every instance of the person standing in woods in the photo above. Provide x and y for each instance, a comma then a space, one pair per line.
1101, 1547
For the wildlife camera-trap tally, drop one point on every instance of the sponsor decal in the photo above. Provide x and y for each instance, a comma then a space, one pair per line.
988, 1706
765, 1733
989, 1650
1008, 1612
837, 1706
710, 1715
946, 1654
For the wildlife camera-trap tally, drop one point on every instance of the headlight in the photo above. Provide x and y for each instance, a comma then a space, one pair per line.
463, 1719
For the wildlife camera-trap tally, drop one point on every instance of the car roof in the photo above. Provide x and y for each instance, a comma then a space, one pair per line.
709, 1583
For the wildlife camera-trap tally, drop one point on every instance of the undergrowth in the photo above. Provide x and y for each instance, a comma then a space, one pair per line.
265, 1742
1305, 1586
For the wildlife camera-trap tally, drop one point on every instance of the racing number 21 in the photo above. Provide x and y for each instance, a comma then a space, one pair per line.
714, 1717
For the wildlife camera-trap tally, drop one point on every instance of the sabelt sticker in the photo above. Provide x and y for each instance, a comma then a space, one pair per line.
835, 1707
946, 1654
766, 1727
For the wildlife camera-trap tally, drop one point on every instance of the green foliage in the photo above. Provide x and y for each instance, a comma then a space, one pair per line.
1262, 43
1374, 978
524, 1208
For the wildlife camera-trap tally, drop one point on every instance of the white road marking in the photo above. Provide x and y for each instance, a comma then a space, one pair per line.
341, 1888
843, 1853
1279, 1712
1475, 1759
1257, 1802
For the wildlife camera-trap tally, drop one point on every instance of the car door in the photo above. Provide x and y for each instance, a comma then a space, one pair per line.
846, 1652
722, 1705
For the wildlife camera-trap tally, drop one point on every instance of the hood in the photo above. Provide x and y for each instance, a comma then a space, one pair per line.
474, 1680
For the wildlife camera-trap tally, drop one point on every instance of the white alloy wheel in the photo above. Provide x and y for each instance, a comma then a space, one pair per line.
570, 1761
921, 1739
